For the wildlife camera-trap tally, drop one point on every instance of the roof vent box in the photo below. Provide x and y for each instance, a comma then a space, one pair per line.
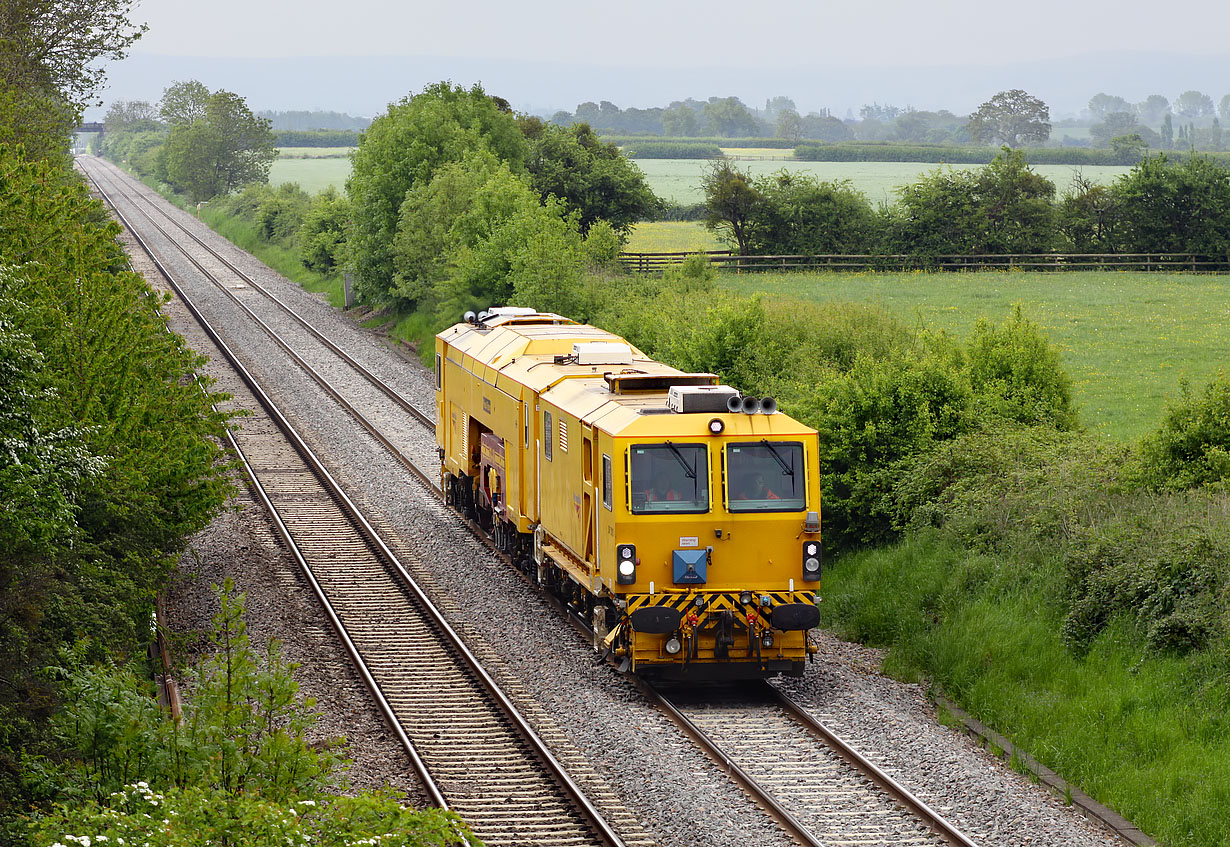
511, 311
602, 353
699, 398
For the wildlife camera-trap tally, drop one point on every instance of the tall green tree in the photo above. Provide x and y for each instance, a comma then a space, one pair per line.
403, 148
226, 147
184, 103
58, 47
1012, 117
731, 200
729, 118
590, 177
1193, 105
1176, 207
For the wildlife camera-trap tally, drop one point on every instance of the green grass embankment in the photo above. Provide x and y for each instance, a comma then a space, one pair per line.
1143, 732
282, 259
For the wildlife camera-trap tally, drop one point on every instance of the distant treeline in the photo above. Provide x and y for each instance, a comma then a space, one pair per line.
317, 138
971, 155
639, 141
313, 120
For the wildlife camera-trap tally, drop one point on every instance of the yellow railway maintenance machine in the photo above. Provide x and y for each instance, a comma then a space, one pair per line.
680, 520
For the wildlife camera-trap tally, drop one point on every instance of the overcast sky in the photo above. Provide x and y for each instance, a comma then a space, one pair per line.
544, 55
686, 32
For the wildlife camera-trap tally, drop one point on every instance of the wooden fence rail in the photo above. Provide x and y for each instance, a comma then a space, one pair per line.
657, 262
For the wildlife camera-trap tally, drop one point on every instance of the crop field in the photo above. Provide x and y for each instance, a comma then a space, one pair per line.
315, 152
1127, 339
678, 180
672, 237
313, 174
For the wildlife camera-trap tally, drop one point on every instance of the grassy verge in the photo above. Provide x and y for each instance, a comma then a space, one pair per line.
1127, 339
1144, 733
281, 259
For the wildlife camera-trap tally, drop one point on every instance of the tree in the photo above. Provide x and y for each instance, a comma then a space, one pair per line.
825, 128
404, 147
1101, 105
226, 148
1014, 117
1193, 105
1129, 149
789, 125
729, 118
184, 103
1167, 132
590, 177
1119, 124
730, 202
131, 116
1153, 110
774, 107
798, 214
681, 120
1176, 207
56, 48
1090, 216
1223, 108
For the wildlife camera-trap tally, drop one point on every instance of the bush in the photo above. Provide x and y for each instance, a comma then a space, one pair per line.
238, 769
1192, 446
1016, 374
1171, 207
322, 237
281, 215
1001, 208
798, 214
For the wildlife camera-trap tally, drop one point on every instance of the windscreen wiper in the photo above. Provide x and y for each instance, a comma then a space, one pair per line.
786, 469
687, 469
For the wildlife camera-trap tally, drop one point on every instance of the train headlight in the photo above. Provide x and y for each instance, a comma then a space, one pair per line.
625, 568
813, 558
672, 645
716, 426
746, 598
767, 639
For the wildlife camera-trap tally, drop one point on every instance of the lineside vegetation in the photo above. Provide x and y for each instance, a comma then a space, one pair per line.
1066, 589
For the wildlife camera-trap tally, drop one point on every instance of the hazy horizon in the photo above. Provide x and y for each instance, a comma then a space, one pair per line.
551, 55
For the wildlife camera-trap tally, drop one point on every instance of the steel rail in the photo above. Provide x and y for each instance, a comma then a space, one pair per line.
886, 783
603, 829
346, 357
316, 376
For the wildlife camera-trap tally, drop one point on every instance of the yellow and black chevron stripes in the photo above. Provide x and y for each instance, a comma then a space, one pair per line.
715, 601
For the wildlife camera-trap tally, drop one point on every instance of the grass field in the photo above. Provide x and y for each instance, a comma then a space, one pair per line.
315, 152
1127, 339
672, 237
678, 180
313, 175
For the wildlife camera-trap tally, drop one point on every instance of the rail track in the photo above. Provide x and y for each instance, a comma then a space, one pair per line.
363, 394
472, 750
819, 789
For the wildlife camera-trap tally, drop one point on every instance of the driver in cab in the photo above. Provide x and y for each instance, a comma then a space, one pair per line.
663, 488
755, 488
